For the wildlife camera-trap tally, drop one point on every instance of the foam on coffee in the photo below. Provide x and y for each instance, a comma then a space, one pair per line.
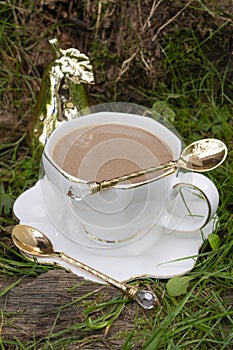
102, 152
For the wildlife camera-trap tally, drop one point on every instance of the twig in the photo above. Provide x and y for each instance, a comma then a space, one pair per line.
172, 19
152, 11
125, 65
144, 61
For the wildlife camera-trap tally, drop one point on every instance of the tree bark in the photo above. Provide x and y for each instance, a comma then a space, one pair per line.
55, 302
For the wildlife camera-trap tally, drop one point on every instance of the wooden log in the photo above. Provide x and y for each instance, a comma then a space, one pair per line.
56, 302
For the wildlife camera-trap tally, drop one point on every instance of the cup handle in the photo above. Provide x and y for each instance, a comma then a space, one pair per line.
191, 203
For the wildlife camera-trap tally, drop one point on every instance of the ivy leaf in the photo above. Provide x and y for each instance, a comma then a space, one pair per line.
6, 201
214, 241
178, 285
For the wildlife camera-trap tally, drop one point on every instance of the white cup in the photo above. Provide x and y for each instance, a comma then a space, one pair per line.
121, 214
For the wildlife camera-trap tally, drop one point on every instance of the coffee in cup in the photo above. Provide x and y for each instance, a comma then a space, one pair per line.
102, 152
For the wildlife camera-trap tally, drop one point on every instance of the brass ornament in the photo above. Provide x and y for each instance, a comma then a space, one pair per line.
62, 95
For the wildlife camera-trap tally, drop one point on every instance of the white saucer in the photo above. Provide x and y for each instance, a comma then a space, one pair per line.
156, 254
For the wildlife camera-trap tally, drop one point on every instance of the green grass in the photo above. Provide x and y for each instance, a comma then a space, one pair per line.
194, 312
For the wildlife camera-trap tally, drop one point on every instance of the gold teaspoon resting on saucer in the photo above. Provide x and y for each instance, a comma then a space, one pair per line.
200, 156
33, 242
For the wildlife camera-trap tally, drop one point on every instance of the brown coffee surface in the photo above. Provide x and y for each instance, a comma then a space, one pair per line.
102, 152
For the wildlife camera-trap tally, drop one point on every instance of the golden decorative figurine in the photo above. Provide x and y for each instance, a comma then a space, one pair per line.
62, 95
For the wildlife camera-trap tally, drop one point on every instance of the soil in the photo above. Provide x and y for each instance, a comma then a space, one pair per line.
123, 40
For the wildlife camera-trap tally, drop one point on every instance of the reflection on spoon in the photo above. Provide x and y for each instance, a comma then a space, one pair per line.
200, 156
33, 242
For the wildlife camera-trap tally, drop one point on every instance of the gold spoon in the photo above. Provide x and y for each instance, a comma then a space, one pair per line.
33, 242
199, 156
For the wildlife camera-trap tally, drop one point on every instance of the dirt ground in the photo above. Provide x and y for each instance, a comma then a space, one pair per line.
123, 40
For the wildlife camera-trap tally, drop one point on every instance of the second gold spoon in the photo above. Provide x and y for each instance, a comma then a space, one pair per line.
33, 242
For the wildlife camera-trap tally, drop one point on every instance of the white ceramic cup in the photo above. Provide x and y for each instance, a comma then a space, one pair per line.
121, 214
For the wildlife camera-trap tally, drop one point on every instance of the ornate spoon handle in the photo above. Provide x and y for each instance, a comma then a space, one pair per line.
98, 186
145, 298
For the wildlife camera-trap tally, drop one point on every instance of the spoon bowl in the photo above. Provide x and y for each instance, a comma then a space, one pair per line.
33, 242
203, 155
